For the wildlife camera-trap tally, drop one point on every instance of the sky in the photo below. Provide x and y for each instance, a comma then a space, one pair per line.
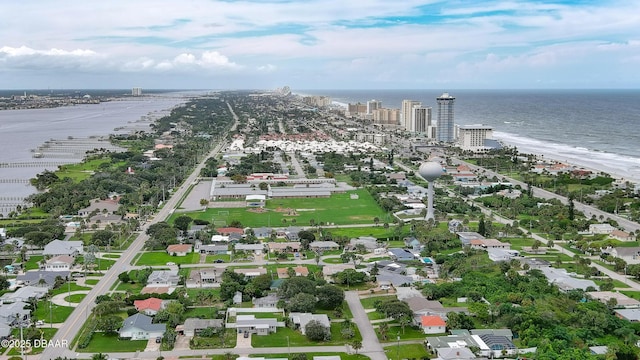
319, 44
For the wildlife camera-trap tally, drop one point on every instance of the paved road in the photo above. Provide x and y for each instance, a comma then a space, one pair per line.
72, 326
588, 210
370, 344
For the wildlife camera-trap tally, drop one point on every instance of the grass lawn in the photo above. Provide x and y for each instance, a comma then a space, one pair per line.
410, 333
208, 312
310, 355
338, 208
279, 339
47, 334
112, 256
108, 342
33, 263
224, 257
69, 287
91, 281
75, 298
374, 315
517, 242
134, 288
57, 314
367, 303
408, 351
215, 342
632, 294
83, 170
100, 264
376, 231
157, 258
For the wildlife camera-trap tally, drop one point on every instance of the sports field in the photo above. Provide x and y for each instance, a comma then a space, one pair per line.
338, 209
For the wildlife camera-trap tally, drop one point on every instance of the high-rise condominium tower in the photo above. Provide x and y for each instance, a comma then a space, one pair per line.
445, 127
407, 108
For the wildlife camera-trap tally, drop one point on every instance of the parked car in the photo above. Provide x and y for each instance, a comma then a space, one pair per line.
158, 340
219, 261
246, 334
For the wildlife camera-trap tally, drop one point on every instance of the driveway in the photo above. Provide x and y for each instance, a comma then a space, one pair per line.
152, 345
370, 344
242, 342
182, 342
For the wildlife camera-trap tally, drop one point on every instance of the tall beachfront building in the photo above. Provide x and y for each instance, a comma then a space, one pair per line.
136, 91
445, 131
407, 108
420, 119
373, 105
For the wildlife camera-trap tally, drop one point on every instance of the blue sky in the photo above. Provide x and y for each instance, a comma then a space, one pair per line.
319, 44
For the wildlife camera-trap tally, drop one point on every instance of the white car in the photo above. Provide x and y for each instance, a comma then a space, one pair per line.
171, 264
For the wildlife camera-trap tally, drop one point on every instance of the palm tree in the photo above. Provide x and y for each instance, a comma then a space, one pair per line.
99, 356
356, 345
383, 329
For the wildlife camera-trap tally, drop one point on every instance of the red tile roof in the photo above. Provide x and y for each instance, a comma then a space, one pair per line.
432, 321
150, 303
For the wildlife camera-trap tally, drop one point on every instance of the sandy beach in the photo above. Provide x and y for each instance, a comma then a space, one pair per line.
618, 166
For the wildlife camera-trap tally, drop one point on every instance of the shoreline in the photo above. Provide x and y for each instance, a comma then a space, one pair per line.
617, 166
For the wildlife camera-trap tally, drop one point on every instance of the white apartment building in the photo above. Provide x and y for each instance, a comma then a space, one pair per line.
472, 137
407, 107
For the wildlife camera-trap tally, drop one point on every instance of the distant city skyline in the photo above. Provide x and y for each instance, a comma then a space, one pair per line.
320, 44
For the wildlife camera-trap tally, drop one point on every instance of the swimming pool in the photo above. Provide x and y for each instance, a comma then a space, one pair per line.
427, 260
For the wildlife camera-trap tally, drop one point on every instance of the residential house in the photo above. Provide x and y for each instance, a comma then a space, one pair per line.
262, 232
257, 249
149, 306
249, 323
15, 314
621, 299
488, 344
179, 249
466, 237
632, 315
283, 273
565, 281
456, 353
398, 254
368, 243
300, 320
102, 220
331, 269
288, 247
631, 255
413, 243
60, 247
324, 245
484, 244
161, 278
455, 226
46, 279
217, 249
252, 272
432, 324
193, 327
59, 263
601, 228
199, 278
622, 235
269, 301
497, 254
24, 294
230, 230
107, 206
139, 327
219, 239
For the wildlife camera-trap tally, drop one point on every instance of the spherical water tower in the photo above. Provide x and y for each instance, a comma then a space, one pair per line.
430, 171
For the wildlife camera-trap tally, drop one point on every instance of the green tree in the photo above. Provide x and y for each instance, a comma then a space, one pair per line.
315, 331
302, 302
330, 297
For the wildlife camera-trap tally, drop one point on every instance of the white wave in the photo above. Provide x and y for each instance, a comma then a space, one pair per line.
614, 164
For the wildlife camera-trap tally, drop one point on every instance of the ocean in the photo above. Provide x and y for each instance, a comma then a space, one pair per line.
598, 129
65, 129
